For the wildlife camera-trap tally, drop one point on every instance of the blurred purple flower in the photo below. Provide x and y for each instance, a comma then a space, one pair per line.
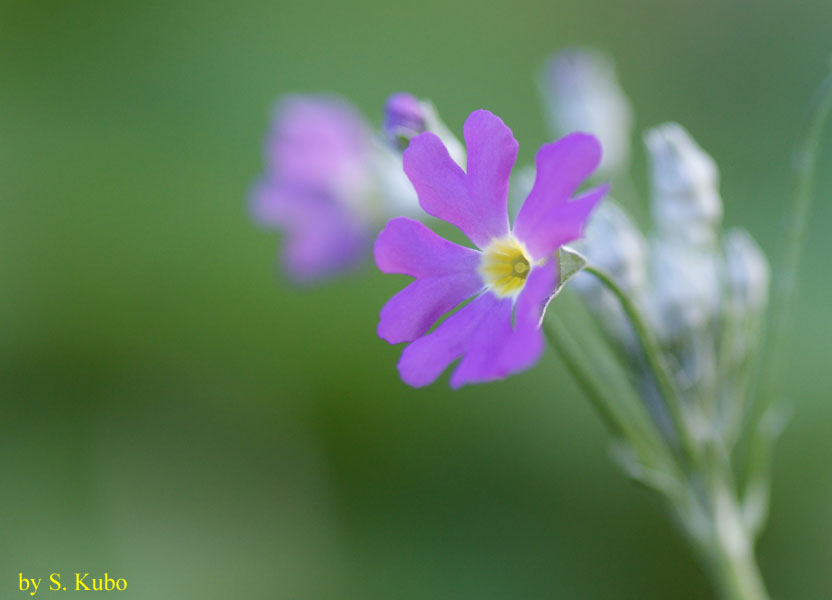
318, 185
513, 274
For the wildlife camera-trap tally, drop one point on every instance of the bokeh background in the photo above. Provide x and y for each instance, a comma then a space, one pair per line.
174, 412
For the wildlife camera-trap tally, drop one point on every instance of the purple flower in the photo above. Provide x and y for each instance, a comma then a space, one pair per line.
318, 185
513, 273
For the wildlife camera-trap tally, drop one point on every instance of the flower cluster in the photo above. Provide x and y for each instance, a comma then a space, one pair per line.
681, 306
702, 290
330, 182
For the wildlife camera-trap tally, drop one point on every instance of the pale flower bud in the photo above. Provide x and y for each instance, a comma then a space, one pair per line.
747, 273
684, 182
581, 93
684, 291
613, 243
747, 277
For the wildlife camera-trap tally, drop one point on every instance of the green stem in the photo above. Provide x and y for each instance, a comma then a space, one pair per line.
786, 273
732, 551
559, 339
738, 578
665, 382
620, 422
703, 495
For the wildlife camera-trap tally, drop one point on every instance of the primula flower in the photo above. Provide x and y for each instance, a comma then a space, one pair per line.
511, 275
318, 185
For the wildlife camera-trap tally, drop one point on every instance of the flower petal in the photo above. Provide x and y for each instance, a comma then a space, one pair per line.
439, 182
561, 168
268, 203
492, 151
314, 253
476, 202
497, 349
561, 223
321, 237
408, 247
425, 359
539, 289
526, 344
316, 141
481, 361
413, 311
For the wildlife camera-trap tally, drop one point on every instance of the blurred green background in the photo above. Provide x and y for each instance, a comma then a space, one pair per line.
175, 413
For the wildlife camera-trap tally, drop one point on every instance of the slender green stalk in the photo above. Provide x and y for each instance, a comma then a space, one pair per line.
730, 550
665, 382
558, 338
793, 242
699, 485
738, 577
620, 422
758, 460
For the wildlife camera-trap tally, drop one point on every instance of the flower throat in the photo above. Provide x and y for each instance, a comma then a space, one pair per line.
504, 266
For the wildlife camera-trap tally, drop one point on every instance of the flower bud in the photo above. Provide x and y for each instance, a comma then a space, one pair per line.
581, 93
684, 182
747, 276
613, 243
684, 292
747, 273
405, 117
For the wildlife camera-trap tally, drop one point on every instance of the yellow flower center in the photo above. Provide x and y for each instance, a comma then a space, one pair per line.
504, 266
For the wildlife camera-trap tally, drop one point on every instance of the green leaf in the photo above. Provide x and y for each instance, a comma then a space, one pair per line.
570, 263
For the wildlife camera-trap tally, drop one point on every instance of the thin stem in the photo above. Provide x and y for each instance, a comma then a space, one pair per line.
649, 346
786, 273
559, 339
621, 423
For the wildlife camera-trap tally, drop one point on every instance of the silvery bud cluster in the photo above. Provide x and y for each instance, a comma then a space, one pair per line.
685, 261
684, 184
693, 282
684, 289
615, 244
